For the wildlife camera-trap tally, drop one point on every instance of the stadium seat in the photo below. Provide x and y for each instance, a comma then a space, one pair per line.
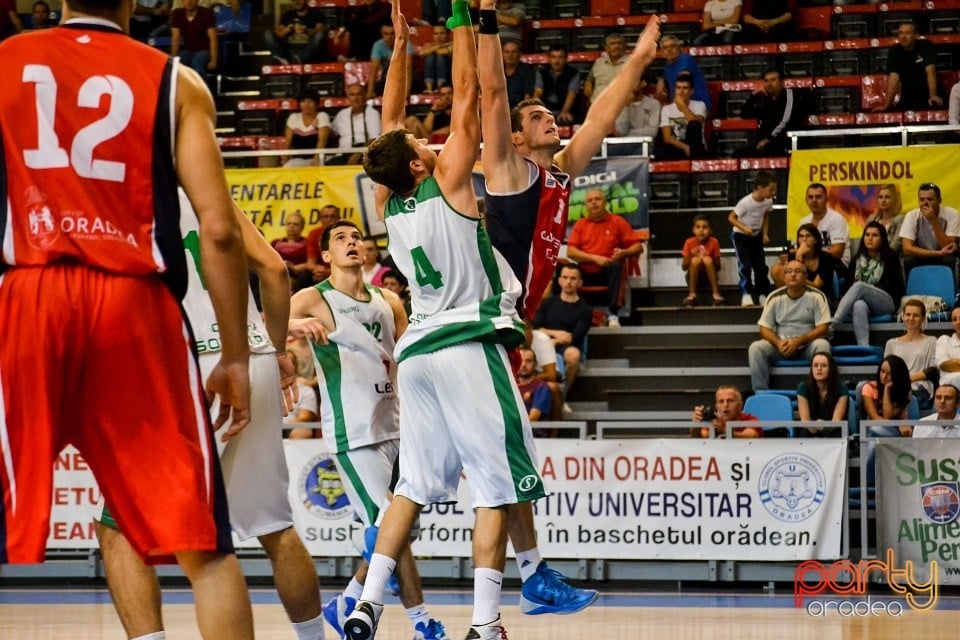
770, 407
933, 280
849, 354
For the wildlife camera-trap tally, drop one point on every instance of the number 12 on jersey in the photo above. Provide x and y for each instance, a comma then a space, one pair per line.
427, 274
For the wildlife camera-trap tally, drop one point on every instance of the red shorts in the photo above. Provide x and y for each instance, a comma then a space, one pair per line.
104, 362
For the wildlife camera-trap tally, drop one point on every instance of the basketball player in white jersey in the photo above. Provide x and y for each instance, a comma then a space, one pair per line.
254, 467
460, 409
353, 328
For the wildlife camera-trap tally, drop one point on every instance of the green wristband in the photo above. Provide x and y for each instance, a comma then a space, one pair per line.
461, 15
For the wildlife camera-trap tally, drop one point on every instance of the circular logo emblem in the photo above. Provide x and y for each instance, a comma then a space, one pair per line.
792, 487
940, 501
41, 225
321, 490
528, 483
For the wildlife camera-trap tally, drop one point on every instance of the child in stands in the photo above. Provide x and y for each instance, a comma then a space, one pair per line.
701, 255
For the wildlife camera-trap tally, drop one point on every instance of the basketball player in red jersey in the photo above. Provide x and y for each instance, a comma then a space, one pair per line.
528, 180
95, 132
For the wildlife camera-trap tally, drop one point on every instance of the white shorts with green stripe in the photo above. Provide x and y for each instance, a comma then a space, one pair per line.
366, 473
460, 410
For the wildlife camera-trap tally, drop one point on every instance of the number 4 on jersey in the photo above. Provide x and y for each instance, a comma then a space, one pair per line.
426, 273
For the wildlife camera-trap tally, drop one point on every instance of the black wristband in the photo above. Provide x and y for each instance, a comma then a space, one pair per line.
488, 22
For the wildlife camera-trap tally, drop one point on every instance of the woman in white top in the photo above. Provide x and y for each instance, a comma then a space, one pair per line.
308, 129
720, 22
917, 350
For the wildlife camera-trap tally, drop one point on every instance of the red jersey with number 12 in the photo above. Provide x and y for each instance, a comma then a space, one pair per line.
87, 152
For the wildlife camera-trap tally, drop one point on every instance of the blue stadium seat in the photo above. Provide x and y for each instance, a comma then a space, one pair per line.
770, 407
933, 280
851, 354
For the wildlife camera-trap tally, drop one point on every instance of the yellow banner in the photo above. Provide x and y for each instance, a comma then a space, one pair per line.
854, 176
268, 195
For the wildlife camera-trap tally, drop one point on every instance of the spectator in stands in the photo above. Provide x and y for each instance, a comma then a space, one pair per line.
435, 126
911, 73
534, 391
750, 220
293, 249
822, 397
149, 18
833, 226
380, 55
677, 63
437, 11
947, 352
566, 319
521, 77
607, 66
40, 12
306, 129
510, 17
361, 25
394, 281
728, 408
300, 35
641, 117
929, 233
436, 56
821, 266
307, 407
779, 110
319, 269
720, 23
196, 26
701, 256
371, 269
917, 350
557, 85
953, 110
945, 405
794, 324
889, 213
10, 22
601, 242
356, 125
681, 124
768, 21
877, 283
888, 396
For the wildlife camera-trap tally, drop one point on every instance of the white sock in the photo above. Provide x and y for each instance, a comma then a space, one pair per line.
354, 589
309, 629
487, 584
418, 614
158, 635
527, 562
381, 568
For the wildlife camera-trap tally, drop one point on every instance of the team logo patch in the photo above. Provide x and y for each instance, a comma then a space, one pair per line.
321, 490
940, 501
43, 229
792, 487
528, 483
410, 204
549, 181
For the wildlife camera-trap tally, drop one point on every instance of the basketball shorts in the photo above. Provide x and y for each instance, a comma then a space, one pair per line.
104, 362
460, 410
366, 473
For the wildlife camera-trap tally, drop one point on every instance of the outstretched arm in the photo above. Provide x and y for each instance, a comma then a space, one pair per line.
503, 167
455, 165
605, 109
395, 86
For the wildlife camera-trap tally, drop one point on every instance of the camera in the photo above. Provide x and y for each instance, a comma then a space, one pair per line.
709, 413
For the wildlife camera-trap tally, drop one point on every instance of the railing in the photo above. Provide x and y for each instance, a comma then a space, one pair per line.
905, 131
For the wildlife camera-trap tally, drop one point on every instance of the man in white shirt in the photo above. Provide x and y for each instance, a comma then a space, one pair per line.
355, 125
833, 226
929, 233
945, 402
947, 354
641, 117
681, 123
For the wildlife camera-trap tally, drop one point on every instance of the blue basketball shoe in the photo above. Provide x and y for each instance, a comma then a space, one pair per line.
546, 592
433, 630
336, 611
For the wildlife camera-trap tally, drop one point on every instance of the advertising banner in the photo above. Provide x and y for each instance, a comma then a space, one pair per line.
853, 178
632, 499
918, 501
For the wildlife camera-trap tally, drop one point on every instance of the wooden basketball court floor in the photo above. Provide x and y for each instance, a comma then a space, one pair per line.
35, 614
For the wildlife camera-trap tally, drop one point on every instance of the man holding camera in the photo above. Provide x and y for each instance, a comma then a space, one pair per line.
930, 232
728, 408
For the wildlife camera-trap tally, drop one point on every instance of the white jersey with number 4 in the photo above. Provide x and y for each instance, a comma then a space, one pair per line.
356, 372
461, 288
197, 303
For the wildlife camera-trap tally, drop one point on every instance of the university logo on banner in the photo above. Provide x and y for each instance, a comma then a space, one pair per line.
321, 489
940, 501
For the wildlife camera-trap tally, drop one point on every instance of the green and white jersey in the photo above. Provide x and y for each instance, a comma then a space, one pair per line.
356, 372
461, 288
197, 303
